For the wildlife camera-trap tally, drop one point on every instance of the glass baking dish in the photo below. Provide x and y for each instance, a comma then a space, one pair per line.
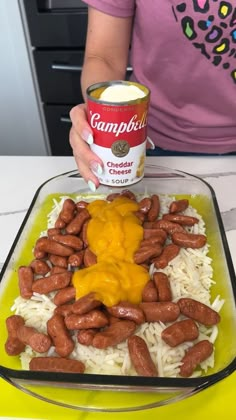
108, 393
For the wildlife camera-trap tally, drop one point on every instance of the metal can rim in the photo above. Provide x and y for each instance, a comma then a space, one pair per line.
106, 84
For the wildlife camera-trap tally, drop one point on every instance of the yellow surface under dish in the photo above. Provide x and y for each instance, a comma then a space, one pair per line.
216, 402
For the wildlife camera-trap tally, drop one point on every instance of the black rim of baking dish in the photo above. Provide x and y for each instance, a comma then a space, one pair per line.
185, 387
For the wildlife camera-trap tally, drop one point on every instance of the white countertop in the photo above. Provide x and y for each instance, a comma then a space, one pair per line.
20, 177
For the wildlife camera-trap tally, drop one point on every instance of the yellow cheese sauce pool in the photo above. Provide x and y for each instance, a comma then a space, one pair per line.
114, 234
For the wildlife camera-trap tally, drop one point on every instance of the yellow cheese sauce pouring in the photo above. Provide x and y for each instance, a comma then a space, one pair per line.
114, 234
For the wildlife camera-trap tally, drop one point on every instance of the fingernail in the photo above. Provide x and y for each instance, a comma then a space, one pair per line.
96, 168
151, 143
92, 186
87, 136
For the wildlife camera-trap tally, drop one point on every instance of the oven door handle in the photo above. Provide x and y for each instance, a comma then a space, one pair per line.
65, 67
65, 119
71, 67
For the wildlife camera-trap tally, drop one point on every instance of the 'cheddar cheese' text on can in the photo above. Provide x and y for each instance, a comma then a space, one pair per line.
117, 113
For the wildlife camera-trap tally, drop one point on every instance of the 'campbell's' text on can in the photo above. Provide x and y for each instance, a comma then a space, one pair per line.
118, 115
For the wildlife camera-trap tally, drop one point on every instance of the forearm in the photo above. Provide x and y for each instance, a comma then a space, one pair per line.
106, 52
96, 69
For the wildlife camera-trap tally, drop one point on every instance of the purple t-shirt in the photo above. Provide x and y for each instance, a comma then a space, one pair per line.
185, 52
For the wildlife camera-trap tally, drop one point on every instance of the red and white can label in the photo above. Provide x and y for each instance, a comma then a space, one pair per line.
120, 133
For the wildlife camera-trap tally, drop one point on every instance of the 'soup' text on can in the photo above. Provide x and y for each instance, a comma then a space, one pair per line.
117, 113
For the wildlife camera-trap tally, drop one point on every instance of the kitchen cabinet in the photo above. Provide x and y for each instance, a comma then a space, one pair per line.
57, 32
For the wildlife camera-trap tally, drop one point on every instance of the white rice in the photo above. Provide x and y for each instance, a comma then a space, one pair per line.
190, 275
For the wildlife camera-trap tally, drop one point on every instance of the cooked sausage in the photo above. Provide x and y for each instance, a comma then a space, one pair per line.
39, 254
76, 259
189, 240
25, 280
194, 356
111, 319
59, 223
40, 267
145, 253
112, 196
56, 270
149, 293
151, 225
198, 311
162, 284
129, 194
179, 332
153, 240
153, 213
56, 364
53, 282
68, 210
160, 311
53, 231
140, 216
52, 247
60, 336
170, 227
140, 357
159, 234
127, 310
64, 295
38, 341
144, 205
85, 304
181, 219
13, 345
178, 206
81, 205
92, 319
168, 254
85, 337
75, 226
13, 322
83, 234
64, 310
89, 258
71, 241
58, 261
114, 334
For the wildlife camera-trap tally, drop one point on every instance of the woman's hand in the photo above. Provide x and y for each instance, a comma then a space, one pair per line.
106, 58
81, 136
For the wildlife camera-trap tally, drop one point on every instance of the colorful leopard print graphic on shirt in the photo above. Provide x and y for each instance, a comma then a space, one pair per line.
210, 25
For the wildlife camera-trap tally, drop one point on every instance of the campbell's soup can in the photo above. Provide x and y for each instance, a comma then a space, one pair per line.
117, 113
